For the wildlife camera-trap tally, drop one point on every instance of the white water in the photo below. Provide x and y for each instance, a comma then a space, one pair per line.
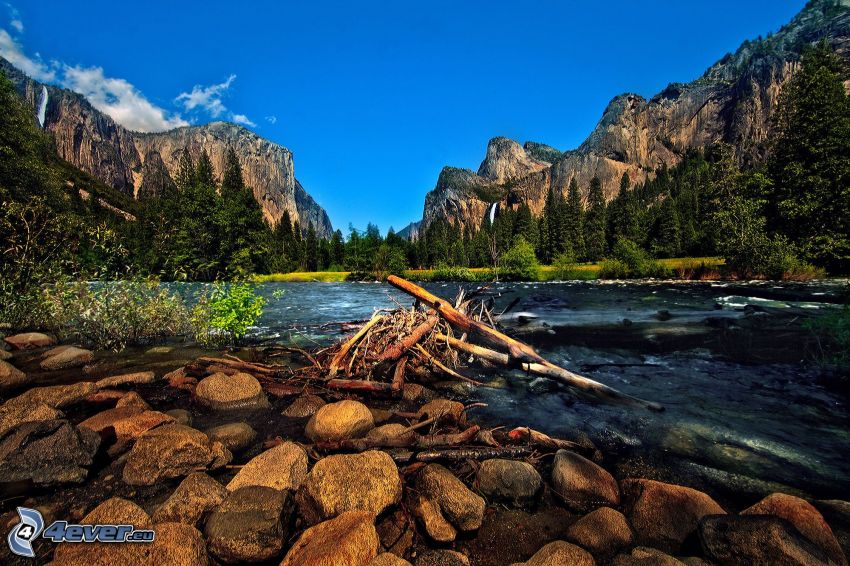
42, 106
491, 213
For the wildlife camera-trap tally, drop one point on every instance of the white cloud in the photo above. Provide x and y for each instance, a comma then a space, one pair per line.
116, 97
271, 119
207, 98
12, 51
120, 100
242, 119
15, 18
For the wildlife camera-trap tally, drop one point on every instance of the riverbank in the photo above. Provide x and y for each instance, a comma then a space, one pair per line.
684, 268
264, 471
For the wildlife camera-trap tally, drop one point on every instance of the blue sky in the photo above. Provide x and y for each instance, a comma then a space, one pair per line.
374, 98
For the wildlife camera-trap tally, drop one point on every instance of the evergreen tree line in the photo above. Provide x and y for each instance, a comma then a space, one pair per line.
764, 219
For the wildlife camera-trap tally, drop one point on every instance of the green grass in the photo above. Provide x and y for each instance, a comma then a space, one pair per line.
304, 276
580, 271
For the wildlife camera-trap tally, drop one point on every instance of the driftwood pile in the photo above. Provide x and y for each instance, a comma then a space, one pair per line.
434, 335
406, 344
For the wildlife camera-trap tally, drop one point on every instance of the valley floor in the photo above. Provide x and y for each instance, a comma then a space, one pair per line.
681, 267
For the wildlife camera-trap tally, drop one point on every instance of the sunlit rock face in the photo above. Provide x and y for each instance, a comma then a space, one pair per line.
732, 102
95, 143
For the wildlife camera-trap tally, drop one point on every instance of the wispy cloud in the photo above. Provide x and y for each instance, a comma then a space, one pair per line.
117, 97
12, 51
206, 97
242, 119
271, 119
120, 100
15, 18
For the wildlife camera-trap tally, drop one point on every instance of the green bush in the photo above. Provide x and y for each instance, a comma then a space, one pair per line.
520, 263
564, 265
114, 315
614, 269
445, 272
225, 313
631, 261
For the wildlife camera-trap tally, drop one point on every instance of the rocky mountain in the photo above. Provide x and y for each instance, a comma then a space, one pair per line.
732, 102
141, 164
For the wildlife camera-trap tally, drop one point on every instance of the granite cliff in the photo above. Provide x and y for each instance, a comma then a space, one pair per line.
731, 102
141, 164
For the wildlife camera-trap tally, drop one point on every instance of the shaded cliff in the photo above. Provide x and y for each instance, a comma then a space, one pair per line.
142, 164
732, 102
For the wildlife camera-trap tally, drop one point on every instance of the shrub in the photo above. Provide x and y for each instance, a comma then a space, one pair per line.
224, 314
614, 269
114, 315
564, 265
389, 260
629, 260
520, 263
445, 272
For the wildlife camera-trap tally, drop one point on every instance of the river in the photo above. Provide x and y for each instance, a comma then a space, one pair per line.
746, 413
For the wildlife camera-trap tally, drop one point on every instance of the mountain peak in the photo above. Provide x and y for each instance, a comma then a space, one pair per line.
507, 160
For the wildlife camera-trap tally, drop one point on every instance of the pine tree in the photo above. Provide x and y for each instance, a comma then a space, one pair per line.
574, 220
594, 227
809, 162
185, 171
668, 241
244, 232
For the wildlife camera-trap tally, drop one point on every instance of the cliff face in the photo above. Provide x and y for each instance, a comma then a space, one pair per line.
143, 164
732, 102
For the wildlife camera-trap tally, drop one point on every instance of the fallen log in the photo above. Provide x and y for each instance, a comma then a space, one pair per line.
474, 453
398, 375
557, 373
541, 440
517, 349
343, 351
359, 385
396, 350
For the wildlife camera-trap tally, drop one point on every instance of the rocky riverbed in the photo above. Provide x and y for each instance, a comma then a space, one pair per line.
226, 469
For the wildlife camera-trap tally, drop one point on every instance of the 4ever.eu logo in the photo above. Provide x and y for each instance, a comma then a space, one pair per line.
23, 534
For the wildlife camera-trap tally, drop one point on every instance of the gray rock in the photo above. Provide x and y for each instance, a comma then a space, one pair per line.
330, 488
30, 341
235, 436
180, 416
349, 539
340, 421
442, 558
66, 358
250, 525
304, 406
757, 539
644, 556
509, 480
11, 377
445, 499
171, 451
223, 392
47, 452
603, 532
196, 496
126, 379
280, 467
559, 552
582, 484
664, 515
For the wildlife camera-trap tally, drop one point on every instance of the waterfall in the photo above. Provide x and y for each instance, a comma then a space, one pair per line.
42, 106
491, 212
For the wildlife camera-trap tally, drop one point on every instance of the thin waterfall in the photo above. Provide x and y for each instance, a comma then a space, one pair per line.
491, 212
42, 106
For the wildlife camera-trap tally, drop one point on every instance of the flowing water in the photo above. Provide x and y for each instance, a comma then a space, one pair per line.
745, 413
